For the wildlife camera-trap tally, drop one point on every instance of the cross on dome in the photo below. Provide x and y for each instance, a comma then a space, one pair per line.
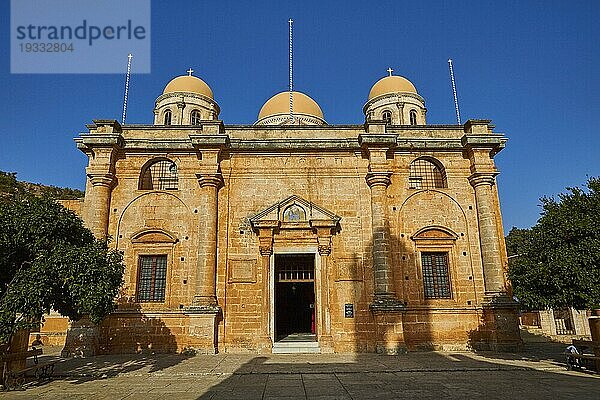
390, 70
190, 71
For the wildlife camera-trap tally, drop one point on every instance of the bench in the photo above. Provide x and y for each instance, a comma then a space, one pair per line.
583, 345
15, 379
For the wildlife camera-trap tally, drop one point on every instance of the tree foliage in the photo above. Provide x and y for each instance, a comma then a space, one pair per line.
556, 263
49, 260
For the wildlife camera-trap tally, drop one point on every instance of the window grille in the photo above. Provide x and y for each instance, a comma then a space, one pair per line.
195, 117
297, 268
152, 278
167, 119
161, 175
426, 174
436, 279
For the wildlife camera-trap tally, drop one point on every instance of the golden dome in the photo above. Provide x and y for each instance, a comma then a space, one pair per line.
280, 104
391, 84
188, 83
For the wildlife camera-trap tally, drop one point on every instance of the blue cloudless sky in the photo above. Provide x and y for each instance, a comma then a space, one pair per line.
531, 67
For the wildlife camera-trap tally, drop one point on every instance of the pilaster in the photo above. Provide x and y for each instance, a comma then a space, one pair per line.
266, 230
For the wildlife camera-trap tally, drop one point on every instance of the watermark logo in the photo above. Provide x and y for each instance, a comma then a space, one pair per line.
79, 36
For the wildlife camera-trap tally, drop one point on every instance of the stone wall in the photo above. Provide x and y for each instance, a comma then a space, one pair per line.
252, 169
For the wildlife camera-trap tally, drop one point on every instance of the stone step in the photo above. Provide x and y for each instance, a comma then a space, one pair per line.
295, 347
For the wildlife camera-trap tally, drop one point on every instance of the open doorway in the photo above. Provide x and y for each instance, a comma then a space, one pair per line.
295, 297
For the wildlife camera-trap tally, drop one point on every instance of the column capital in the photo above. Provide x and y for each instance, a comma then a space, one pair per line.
102, 179
379, 179
483, 178
212, 179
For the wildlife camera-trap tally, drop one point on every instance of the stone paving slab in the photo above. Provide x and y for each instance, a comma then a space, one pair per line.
538, 373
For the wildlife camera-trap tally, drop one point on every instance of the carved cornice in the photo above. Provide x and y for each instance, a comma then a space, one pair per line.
93, 140
494, 142
379, 179
205, 141
377, 140
483, 178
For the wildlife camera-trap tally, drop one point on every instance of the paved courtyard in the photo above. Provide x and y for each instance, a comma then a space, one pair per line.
537, 373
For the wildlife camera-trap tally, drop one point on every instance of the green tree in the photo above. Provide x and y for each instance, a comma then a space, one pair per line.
556, 263
49, 260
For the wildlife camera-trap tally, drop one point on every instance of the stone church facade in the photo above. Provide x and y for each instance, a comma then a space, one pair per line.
294, 235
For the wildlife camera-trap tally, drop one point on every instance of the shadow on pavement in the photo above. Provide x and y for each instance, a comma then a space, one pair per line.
533, 374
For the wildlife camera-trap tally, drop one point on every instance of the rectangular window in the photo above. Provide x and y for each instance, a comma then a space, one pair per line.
152, 278
436, 279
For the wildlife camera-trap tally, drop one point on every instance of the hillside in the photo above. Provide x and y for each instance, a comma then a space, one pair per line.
10, 185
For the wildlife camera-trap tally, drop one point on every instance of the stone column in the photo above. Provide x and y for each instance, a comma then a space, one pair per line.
378, 182
206, 271
488, 232
98, 206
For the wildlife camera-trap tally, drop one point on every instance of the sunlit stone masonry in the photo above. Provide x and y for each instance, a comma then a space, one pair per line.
293, 235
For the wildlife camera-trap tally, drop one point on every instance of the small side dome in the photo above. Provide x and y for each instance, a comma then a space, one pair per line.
280, 105
392, 84
189, 84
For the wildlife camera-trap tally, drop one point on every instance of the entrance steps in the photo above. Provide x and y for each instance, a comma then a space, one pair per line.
295, 347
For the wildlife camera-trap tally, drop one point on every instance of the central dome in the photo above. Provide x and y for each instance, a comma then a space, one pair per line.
280, 104
190, 84
391, 84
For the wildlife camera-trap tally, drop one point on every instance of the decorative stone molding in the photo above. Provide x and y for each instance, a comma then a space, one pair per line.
324, 250
320, 220
265, 246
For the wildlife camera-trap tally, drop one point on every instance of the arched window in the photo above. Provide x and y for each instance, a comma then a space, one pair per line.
195, 117
159, 175
167, 118
413, 117
427, 173
387, 116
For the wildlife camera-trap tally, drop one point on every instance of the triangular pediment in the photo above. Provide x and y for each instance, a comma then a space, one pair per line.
295, 211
